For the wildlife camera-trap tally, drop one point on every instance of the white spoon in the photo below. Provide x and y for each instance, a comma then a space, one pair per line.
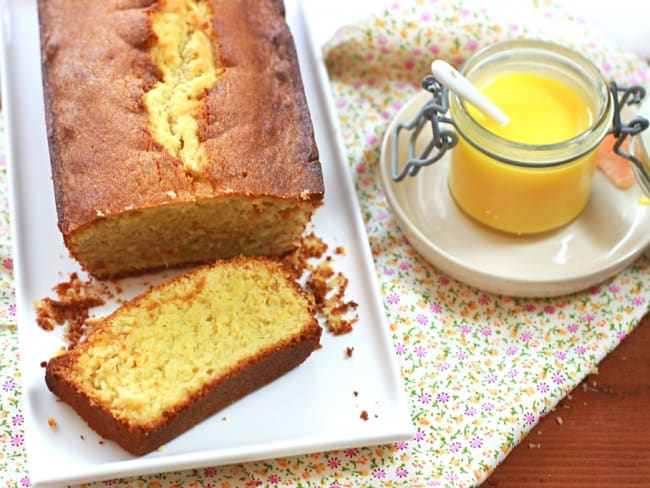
454, 81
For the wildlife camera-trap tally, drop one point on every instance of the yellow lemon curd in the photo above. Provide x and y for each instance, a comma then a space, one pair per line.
523, 200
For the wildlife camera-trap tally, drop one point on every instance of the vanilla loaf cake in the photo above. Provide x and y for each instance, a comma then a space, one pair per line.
178, 131
185, 349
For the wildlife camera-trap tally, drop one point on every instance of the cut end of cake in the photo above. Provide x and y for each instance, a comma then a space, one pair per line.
191, 232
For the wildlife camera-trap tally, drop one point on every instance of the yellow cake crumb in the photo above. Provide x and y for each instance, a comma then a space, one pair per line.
186, 333
189, 62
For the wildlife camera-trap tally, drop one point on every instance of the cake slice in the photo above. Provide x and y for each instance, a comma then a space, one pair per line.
185, 349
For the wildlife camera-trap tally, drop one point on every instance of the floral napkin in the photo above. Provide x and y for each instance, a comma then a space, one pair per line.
480, 369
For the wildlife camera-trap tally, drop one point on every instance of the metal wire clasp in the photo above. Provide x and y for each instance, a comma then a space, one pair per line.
441, 141
620, 130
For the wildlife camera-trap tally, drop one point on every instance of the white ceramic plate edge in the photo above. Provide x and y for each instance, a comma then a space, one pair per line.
508, 283
318, 66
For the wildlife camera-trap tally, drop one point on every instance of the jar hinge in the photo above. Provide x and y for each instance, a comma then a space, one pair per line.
627, 96
441, 141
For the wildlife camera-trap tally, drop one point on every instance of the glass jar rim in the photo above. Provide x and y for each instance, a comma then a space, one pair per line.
553, 54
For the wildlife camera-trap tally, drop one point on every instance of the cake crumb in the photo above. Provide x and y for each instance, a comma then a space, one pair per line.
51, 421
559, 420
73, 300
326, 285
355, 393
349, 351
364, 415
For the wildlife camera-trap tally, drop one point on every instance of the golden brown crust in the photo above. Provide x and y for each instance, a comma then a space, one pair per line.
254, 124
262, 69
97, 125
244, 379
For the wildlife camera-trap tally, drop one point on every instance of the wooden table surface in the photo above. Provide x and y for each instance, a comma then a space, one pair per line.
599, 435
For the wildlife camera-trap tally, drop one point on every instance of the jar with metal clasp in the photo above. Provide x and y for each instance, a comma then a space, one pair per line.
535, 175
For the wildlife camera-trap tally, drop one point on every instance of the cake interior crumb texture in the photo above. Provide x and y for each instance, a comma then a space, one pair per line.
178, 130
185, 349
190, 64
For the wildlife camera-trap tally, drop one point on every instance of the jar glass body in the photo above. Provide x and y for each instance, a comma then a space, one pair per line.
640, 147
527, 188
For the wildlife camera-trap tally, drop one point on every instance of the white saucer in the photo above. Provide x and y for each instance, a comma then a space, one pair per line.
608, 235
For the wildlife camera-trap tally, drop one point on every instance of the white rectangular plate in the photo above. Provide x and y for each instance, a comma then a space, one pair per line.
313, 408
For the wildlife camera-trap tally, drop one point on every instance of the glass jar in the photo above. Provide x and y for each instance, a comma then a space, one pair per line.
640, 148
517, 186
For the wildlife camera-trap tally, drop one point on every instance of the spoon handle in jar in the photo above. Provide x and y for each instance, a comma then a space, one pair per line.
454, 81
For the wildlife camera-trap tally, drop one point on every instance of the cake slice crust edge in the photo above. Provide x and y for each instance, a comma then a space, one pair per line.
242, 378
240, 382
